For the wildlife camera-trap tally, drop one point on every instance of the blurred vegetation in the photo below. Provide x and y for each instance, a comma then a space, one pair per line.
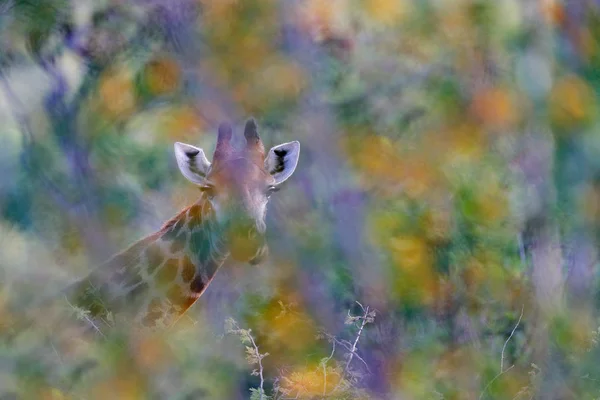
439, 239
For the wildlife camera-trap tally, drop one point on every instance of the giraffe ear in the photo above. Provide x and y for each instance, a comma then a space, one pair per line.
192, 162
282, 160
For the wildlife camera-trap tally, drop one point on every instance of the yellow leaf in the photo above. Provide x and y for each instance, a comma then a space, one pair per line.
152, 351
162, 76
115, 387
386, 12
415, 279
495, 107
307, 382
181, 123
571, 102
411, 253
117, 96
324, 19
553, 11
53, 394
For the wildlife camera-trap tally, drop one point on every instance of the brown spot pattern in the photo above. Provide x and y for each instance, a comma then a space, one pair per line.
154, 257
195, 216
197, 285
153, 314
188, 270
168, 272
179, 299
178, 244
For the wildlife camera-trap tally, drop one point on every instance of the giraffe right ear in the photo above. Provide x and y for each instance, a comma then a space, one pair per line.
192, 162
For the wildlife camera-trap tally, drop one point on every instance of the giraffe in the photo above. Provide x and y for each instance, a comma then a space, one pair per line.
157, 279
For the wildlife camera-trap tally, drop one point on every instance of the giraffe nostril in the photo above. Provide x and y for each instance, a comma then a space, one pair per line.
260, 255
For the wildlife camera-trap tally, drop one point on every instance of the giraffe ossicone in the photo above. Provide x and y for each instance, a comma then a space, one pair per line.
158, 278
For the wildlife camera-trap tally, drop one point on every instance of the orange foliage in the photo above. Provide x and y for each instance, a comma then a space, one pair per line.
553, 11
118, 387
438, 222
473, 275
52, 394
283, 328
289, 330
117, 94
581, 330
246, 62
495, 107
591, 204
182, 123
241, 47
162, 76
6, 317
276, 80
483, 271
419, 175
384, 166
373, 154
457, 363
152, 352
465, 143
310, 381
491, 204
324, 19
385, 11
218, 10
414, 378
416, 279
455, 26
289, 81
457, 366
253, 49
410, 252
571, 102
586, 43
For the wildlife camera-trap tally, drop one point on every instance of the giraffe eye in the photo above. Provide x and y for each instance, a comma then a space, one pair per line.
209, 190
271, 190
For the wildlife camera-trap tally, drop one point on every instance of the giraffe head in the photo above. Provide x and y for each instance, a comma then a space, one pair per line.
238, 184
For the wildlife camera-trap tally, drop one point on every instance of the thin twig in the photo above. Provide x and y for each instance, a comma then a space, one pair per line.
502, 370
60, 360
492, 381
362, 325
511, 335
325, 361
86, 318
354, 345
361, 306
260, 366
348, 346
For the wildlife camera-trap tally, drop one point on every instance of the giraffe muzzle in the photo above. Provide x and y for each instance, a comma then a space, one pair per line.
246, 244
260, 255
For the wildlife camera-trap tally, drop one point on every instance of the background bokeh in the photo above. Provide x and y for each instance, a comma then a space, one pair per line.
439, 239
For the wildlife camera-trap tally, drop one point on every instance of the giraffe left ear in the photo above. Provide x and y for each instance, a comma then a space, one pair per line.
282, 160
192, 162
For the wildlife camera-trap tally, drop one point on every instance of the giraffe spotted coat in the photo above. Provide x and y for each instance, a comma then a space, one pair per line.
157, 279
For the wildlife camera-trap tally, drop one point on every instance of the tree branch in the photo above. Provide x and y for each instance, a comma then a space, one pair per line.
324, 363
511, 335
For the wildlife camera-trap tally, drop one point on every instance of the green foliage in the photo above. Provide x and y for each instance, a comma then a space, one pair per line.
449, 179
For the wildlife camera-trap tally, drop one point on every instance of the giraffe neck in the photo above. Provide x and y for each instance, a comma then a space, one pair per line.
158, 278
